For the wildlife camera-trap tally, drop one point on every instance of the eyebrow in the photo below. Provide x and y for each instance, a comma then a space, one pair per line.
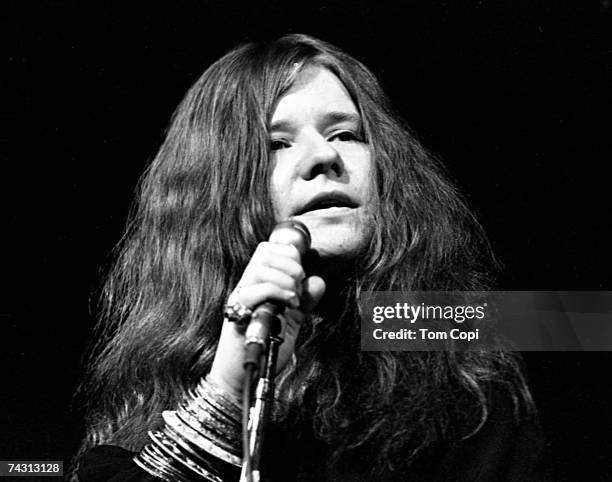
329, 118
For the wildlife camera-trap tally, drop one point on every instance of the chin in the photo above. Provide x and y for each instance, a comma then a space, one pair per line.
338, 236
338, 242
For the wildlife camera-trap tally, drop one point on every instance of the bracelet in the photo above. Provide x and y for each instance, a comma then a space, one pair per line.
201, 439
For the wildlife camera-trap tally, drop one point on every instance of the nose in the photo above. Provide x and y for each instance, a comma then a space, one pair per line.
320, 157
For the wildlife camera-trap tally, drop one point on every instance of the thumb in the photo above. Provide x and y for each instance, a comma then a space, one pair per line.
313, 290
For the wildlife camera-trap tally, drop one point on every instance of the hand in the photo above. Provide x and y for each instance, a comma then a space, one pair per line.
274, 273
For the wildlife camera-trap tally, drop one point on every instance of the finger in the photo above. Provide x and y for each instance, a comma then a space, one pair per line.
313, 289
287, 266
254, 295
277, 261
269, 250
271, 275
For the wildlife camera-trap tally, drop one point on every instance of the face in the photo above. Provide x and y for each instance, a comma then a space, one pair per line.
322, 168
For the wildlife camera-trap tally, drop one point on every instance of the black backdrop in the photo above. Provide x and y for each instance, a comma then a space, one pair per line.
513, 96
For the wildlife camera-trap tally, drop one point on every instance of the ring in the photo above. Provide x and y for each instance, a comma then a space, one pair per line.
236, 312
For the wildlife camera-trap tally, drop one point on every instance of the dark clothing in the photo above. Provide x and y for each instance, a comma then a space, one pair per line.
503, 450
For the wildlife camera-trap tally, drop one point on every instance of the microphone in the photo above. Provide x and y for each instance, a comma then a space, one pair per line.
264, 321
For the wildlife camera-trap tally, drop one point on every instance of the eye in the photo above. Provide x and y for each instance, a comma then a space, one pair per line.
277, 144
346, 136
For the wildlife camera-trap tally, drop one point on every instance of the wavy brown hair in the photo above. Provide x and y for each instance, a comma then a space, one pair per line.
203, 205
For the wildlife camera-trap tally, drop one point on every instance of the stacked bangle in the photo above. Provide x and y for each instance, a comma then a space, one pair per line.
199, 441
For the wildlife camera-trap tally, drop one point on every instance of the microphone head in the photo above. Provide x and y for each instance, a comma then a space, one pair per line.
292, 232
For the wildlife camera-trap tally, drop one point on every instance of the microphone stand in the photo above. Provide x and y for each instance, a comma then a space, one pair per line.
264, 398
264, 392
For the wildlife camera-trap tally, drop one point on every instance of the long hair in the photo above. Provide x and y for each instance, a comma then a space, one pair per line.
202, 207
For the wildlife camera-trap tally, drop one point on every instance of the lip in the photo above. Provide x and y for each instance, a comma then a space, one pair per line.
332, 197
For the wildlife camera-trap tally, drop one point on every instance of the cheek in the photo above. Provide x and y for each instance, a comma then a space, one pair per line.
365, 175
279, 191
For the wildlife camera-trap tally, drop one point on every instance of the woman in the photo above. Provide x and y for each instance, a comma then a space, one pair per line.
297, 129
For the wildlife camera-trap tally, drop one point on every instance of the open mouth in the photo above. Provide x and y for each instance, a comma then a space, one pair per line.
327, 201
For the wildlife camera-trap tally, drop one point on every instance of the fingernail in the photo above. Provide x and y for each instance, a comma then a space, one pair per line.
293, 300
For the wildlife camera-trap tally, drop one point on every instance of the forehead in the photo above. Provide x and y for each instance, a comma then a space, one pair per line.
315, 90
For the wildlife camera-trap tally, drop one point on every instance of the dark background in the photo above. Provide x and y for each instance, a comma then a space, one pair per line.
513, 96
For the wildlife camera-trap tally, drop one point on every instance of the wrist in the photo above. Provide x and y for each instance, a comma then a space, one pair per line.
202, 437
229, 385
